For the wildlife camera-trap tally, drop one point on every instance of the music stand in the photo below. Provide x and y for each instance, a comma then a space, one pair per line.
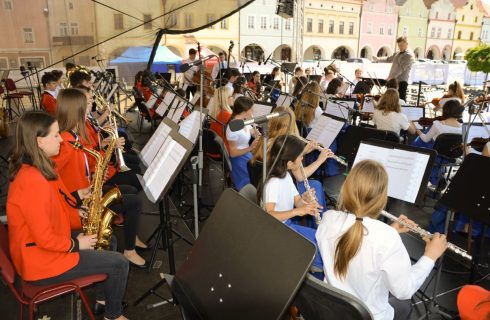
156, 183
245, 264
362, 87
288, 67
350, 141
315, 77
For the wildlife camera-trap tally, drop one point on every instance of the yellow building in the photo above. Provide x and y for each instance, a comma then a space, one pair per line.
468, 27
331, 29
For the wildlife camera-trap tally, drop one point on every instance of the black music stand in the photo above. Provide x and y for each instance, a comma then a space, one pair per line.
157, 190
472, 199
244, 265
352, 138
362, 87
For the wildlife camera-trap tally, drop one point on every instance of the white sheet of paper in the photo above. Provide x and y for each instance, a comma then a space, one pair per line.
178, 108
413, 113
368, 105
165, 104
325, 130
154, 144
151, 102
405, 169
334, 109
478, 132
195, 97
284, 101
189, 127
261, 110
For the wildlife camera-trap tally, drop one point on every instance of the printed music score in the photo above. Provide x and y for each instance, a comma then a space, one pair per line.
405, 169
284, 101
177, 109
195, 97
368, 105
261, 109
339, 108
166, 102
325, 130
189, 127
153, 99
413, 113
477, 131
156, 141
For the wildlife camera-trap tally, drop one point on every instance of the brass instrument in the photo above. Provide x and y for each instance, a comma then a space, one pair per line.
103, 105
319, 147
119, 154
99, 217
423, 233
310, 192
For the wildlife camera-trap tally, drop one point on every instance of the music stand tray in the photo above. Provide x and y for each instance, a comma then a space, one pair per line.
288, 67
244, 265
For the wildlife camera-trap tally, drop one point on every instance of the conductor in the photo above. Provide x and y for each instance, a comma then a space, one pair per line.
401, 65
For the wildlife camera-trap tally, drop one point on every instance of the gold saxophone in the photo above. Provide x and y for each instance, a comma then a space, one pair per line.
99, 217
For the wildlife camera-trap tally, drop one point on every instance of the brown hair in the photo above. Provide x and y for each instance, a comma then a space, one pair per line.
71, 110
241, 104
304, 109
392, 84
32, 125
364, 194
452, 109
277, 126
457, 90
389, 102
401, 39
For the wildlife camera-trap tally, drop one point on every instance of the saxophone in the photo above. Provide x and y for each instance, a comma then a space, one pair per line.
99, 217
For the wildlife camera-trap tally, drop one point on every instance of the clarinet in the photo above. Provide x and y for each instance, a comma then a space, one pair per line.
423, 233
309, 192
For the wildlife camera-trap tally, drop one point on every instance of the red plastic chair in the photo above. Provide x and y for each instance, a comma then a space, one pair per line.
32, 295
12, 89
9, 98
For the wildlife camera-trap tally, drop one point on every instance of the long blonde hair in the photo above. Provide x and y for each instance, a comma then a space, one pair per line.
277, 126
389, 102
364, 194
304, 109
221, 96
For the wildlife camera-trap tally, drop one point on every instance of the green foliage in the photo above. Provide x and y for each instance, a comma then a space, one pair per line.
479, 58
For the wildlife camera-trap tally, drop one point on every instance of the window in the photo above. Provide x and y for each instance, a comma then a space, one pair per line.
437, 14
476, 19
320, 25
351, 27
382, 29
462, 18
74, 28
405, 31
3, 63
419, 33
389, 9
147, 19
407, 12
287, 25
390, 30
251, 22
188, 20
331, 26
36, 62
471, 35
263, 23
63, 29
28, 35
118, 21
224, 24
439, 30
459, 35
309, 25
7, 4
433, 32
370, 27
70, 5
210, 19
172, 20
449, 33
449, 16
341, 27
275, 23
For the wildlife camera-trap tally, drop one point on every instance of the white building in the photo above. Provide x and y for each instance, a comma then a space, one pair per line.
485, 30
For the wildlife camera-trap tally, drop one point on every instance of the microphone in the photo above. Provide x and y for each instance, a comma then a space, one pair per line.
94, 57
186, 66
23, 71
238, 124
268, 58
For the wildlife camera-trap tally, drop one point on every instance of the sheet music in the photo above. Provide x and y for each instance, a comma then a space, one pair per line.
154, 144
165, 163
467, 117
164, 105
284, 101
178, 108
109, 96
261, 109
334, 109
325, 130
344, 87
368, 105
153, 99
189, 127
413, 113
195, 97
405, 169
477, 131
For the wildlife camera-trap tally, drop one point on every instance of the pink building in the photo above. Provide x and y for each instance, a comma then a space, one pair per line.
25, 34
379, 20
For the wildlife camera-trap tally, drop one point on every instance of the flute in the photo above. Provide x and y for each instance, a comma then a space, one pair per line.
319, 147
423, 233
309, 191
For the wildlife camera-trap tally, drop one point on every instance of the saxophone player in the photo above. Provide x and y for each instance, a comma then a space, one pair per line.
43, 247
75, 168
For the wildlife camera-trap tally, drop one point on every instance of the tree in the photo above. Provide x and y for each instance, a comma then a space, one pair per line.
479, 58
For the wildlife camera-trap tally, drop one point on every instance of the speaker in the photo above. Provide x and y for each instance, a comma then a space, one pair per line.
285, 8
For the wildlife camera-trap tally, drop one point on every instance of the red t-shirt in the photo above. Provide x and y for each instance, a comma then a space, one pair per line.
48, 102
223, 117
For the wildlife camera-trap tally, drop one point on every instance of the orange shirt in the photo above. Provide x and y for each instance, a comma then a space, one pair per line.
223, 117
93, 144
49, 103
39, 226
473, 303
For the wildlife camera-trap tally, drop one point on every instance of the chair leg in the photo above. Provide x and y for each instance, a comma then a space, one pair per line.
85, 303
21, 311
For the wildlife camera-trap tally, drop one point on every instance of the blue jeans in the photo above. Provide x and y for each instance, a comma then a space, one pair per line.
239, 170
309, 234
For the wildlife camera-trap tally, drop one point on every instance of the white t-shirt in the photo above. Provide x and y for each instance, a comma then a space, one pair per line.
281, 191
381, 266
318, 114
241, 137
392, 121
324, 84
437, 128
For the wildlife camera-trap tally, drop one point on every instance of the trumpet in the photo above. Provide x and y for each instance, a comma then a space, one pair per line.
103, 105
310, 192
119, 155
319, 147
423, 233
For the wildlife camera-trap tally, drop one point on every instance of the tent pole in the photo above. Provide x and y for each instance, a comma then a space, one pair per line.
155, 48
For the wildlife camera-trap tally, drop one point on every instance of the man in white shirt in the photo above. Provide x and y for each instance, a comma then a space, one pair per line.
298, 72
221, 65
329, 75
187, 82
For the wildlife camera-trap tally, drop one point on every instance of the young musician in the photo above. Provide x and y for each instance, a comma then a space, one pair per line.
221, 65
80, 78
48, 98
388, 114
454, 92
239, 87
334, 88
221, 111
254, 83
366, 257
58, 74
307, 109
393, 84
298, 72
74, 167
44, 250
282, 199
474, 303
187, 76
238, 141
329, 76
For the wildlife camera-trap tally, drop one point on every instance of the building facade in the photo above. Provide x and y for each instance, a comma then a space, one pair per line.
379, 20
331, 29
440, 30
485, 30
468, 29
412, 23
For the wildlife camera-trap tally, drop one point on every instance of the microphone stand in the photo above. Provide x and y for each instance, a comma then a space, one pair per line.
27, 78
38, 87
